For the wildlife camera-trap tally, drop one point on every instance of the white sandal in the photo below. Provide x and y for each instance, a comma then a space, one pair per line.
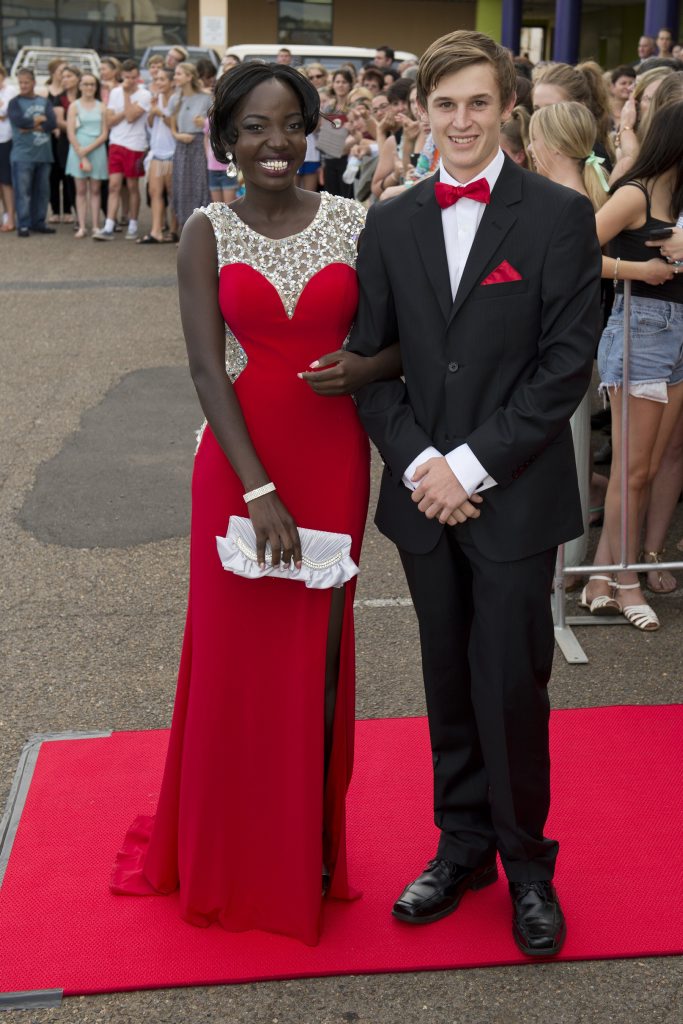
603, 605
642, 616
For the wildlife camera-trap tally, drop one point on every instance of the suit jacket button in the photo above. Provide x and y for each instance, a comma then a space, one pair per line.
453, 367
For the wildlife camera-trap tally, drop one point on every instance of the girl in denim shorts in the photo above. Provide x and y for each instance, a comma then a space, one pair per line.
649, 198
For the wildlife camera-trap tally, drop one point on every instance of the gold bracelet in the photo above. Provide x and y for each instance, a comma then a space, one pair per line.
616, 272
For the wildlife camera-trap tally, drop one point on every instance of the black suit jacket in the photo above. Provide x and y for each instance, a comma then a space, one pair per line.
502, 368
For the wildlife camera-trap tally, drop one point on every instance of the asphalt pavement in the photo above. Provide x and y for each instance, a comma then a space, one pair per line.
96, 450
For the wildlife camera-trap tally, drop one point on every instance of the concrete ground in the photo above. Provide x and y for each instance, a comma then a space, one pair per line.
95, 457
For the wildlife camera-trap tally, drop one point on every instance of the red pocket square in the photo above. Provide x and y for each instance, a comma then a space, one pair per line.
503, 272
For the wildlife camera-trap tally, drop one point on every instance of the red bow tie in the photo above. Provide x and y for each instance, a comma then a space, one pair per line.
446, 195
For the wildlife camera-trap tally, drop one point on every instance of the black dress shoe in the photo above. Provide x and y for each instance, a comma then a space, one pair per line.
45, 230
439, 889
23, 232
601, 419
538, 924
603, 455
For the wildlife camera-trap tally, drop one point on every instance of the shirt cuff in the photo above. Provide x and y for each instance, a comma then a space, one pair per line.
469, 470
428, 453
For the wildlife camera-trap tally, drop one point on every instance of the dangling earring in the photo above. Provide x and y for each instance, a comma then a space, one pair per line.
231, 169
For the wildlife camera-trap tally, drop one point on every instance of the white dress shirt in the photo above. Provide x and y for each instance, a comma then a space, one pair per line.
460, 222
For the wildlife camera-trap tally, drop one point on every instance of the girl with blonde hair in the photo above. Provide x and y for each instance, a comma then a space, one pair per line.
562, 138
561, 144
317, 74
190, 108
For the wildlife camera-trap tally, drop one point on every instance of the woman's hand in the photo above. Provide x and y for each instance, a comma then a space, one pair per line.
410, 127
274, 525
390, 123
629, 113
85, 164
185, 137
348, 372
656, 271
199, 120
670, 248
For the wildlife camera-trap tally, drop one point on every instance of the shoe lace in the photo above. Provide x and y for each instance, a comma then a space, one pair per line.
541, 889
450, 865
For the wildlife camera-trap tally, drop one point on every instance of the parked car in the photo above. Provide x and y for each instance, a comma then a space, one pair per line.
194, 54
330, 57
38, 57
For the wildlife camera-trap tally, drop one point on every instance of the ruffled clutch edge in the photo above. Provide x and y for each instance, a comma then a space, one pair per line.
327, 558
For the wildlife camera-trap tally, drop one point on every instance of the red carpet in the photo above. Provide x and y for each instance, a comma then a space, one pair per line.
617, 814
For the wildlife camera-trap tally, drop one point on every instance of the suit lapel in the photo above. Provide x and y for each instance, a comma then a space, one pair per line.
498, 219
428, 231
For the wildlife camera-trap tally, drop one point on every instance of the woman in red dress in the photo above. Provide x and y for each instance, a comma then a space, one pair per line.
250, 824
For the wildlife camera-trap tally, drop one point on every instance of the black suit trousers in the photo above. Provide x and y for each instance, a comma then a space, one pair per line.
487, 642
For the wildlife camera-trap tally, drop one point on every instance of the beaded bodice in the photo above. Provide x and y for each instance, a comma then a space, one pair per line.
287, 263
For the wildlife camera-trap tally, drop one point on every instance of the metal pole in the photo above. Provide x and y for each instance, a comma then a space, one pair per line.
625, 381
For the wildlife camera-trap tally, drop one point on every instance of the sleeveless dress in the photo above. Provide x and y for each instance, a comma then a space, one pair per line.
245, 819
88, 128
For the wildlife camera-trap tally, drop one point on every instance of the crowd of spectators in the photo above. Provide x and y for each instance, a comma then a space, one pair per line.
85, 147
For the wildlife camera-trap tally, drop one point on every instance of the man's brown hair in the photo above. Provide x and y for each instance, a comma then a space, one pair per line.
457, 50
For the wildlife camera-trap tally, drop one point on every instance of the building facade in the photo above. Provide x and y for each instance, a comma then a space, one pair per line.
607, 30
119, 27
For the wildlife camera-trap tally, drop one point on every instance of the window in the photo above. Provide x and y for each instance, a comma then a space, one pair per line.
160, 10
96, 10
18, 32
309, 21
158, 35
118, 27
31, 9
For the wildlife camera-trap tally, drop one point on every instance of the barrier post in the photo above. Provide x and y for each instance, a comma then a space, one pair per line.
625, 423
564, 636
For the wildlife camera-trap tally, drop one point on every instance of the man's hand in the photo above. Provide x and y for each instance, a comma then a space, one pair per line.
440, 494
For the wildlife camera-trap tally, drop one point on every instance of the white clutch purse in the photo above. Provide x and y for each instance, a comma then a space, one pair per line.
326, 557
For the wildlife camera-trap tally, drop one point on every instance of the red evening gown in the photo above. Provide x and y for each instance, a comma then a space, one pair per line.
244, 820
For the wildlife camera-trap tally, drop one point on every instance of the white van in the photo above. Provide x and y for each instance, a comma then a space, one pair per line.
330, 57
38, 57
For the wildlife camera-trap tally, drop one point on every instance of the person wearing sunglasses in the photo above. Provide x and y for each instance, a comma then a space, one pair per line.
318, 75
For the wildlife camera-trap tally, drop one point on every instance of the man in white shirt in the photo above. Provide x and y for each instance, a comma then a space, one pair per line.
127, 119
488, 277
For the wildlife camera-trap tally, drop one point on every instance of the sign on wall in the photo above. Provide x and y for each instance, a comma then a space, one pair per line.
213, 31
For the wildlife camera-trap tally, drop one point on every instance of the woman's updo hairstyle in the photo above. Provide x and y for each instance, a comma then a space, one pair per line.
583, 84
234, 86
516, 131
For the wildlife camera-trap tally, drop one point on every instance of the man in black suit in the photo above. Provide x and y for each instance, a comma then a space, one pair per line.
492, 292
